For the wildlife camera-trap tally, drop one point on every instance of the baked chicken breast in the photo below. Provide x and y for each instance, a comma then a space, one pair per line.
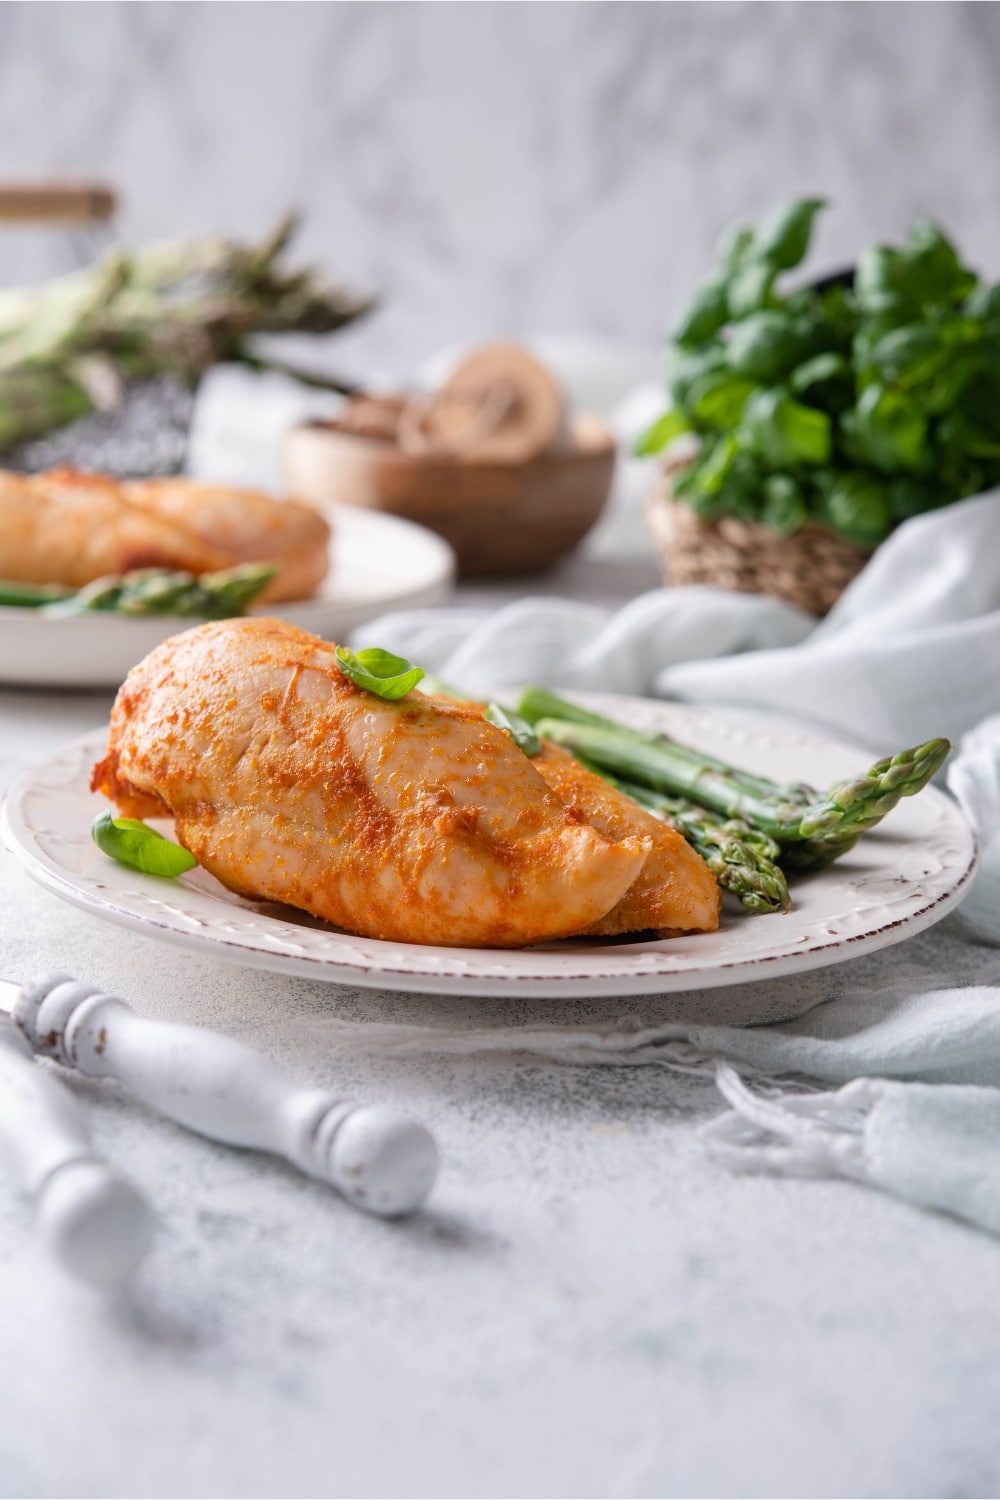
674, 891
415, 821
70, 528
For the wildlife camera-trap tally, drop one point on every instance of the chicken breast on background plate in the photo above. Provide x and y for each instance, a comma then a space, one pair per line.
414, 821
73, 528
246, 526
69, 528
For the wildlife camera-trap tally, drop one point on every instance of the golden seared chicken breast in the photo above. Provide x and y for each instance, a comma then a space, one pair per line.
245, 526
674, 891
69, 528
413, 820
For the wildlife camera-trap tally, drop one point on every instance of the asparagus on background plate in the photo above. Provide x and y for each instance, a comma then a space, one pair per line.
149, 591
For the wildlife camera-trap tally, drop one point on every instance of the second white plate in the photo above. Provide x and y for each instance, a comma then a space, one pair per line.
898, 880
378, 563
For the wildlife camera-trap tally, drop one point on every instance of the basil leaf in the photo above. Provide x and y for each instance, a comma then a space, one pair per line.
520, 731
687, 366
784, 432
735, 246
826, 379
715, 464
784, 508
906, 355
704, 315
784, 236
140, 847
880, 282
859, 509
764, 346
984, 303
379, 672
911, 497
891, 428
718, 399
750, 288
662, 432
934, 272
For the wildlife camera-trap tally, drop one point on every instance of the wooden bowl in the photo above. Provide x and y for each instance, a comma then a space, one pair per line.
499, 517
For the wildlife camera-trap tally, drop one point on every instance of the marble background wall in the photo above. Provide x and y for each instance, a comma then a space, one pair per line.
508, 168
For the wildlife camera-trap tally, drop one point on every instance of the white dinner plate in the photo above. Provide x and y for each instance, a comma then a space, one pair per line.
378, 563
899, 879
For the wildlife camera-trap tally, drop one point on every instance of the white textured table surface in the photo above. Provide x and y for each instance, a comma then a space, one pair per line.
587, 1307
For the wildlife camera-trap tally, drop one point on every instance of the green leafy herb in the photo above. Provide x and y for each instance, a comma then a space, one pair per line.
765, 346
519, 729
140, 847
784, 236
705, 315
750, 288
785, 432
892, 429
662, 432
379, 672
857, 403
718, 398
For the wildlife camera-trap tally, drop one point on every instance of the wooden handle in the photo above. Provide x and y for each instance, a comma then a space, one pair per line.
56, 202
223, 1090
96, 1224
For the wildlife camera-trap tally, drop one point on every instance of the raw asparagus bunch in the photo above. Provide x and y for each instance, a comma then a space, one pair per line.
150, 591
71, 345
811, 828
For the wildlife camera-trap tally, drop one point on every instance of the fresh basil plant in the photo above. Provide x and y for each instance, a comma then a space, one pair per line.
856, 405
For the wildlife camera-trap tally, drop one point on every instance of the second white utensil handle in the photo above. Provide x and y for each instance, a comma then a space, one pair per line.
222, 1089
95, 1223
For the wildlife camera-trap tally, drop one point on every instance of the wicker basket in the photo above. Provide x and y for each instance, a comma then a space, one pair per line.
810, 568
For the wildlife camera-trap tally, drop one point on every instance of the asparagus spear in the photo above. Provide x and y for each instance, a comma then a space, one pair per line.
156, 591
823, 826
15, 595
536, 704
834, 822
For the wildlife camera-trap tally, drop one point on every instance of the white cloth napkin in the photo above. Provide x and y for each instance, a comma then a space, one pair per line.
919, 1115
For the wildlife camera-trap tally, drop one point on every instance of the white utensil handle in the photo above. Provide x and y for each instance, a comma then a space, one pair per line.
226, 1091
96, 1223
